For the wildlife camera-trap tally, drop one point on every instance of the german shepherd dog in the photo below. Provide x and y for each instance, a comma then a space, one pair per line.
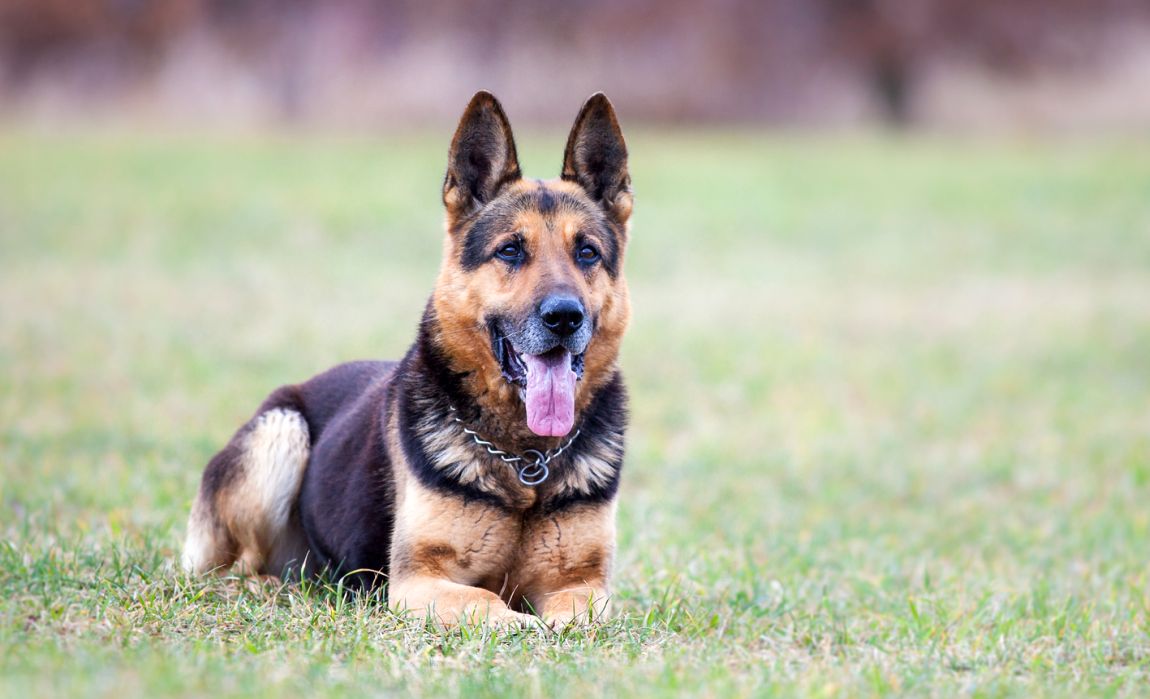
478, 475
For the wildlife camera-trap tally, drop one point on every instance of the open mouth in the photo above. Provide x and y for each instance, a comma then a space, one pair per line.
546, 382
514, 364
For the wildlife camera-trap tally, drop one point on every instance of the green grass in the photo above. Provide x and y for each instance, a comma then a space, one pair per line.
891, 415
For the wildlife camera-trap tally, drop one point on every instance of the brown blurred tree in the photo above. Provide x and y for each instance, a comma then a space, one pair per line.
891, 42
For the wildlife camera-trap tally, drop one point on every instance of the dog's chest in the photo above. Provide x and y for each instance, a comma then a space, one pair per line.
449, 536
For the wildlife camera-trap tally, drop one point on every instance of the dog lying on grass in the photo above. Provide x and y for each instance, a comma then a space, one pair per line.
477, 476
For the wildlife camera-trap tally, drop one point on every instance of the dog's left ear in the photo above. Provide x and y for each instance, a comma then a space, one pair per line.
596, 158
482, 158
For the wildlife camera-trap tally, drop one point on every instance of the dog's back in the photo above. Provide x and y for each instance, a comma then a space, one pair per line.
246, 509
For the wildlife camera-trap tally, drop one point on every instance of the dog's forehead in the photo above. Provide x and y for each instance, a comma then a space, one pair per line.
531, 207
549, 198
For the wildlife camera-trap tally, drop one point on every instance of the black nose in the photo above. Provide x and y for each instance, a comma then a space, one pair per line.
562, 315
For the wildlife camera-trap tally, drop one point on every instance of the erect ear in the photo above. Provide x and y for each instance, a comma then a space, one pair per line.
596, 158
482, 158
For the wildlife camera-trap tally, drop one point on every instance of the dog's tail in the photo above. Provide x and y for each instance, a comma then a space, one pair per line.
245, 509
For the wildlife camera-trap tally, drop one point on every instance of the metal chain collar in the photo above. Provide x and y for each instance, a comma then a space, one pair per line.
534, 469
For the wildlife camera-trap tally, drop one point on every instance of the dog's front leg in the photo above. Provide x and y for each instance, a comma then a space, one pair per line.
442, 545
567, 566
451, 603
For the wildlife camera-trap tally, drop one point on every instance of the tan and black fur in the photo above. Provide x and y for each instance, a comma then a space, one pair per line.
365, 472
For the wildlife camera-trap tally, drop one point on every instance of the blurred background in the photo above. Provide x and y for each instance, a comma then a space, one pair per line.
973, 64
890, 270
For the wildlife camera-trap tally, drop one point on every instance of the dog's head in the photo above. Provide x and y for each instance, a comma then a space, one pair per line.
531, 301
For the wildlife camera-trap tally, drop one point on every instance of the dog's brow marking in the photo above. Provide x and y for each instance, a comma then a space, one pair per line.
544, 199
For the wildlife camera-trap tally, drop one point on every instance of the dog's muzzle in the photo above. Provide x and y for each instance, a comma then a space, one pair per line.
543, 356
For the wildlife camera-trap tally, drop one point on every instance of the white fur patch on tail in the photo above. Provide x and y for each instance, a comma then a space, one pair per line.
250, 520
201, 552
275, 456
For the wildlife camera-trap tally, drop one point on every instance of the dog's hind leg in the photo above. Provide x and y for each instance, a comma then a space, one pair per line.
244, 511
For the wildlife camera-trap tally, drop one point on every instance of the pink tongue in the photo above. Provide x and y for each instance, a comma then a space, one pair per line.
550, 393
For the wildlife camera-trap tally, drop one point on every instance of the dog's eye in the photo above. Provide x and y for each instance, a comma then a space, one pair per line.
510, 252
588, 254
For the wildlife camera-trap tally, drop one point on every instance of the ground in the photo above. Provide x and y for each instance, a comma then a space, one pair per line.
891, 414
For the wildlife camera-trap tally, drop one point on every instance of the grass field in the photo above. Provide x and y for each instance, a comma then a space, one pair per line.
890, 435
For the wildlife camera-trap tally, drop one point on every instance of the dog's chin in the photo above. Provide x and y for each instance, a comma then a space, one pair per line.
545, 382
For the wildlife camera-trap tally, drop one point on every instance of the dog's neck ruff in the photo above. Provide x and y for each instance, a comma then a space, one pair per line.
533, 469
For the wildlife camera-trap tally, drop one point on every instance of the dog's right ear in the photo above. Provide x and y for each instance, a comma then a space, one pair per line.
482, 158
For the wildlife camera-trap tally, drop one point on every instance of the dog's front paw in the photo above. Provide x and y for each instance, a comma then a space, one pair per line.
580, 606
508, 619
494, 617
569, 619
